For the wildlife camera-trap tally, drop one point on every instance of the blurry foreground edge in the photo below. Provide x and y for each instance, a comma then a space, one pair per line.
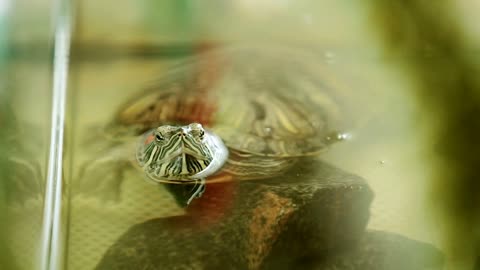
428, 43
5, 125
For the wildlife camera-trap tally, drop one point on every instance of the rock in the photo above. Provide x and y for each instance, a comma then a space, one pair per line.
375, 251
243, 225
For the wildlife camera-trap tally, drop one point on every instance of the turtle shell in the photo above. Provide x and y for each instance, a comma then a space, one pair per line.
275, 103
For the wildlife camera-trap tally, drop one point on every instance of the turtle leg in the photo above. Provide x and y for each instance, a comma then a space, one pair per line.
100, 179
184, 194
197, 190
103, 176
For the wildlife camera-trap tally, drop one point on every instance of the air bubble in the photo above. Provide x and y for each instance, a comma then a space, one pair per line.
338, 136
343, 136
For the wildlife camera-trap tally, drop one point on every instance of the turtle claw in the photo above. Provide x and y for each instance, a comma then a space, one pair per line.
101, 179
103, 176
184, 194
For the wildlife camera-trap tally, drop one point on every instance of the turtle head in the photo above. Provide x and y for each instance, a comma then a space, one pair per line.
175, 152
193, 133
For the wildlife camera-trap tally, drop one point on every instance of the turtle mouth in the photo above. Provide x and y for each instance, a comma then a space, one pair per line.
184, 152
187, 161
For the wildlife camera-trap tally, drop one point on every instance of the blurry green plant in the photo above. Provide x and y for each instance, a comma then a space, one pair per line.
427, 41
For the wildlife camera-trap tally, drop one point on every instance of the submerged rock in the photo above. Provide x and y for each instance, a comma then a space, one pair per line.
244, 225
377, 250
293, 222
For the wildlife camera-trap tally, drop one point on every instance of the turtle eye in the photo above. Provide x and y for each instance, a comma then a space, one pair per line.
197, 130
158, 137
198, 133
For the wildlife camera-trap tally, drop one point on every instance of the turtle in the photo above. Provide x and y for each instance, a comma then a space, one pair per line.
226, 114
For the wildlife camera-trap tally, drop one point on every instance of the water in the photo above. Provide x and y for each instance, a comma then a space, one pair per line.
382, 142
382, 147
